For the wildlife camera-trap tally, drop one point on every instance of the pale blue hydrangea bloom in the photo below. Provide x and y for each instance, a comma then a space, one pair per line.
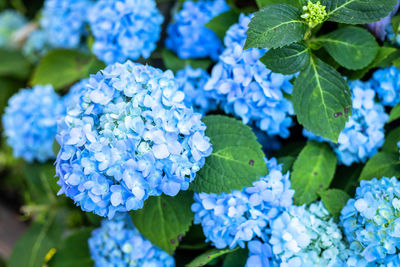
129, 137
118, 243
364, 133
191, 82
371, 222
307, 236
36, 45
386, 83
64, 22
260, 255
72, 99
187, 35
30, 122
231, 219
248, 89
10, 22
125, 29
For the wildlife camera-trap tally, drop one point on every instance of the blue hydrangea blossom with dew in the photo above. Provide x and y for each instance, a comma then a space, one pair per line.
30, 122
129, 137
248, 89
10, 22
187, 35
234, 218
118, 243
191, 82
307, 236
125, 29
65, 22
371, 222
386, 83
364, 133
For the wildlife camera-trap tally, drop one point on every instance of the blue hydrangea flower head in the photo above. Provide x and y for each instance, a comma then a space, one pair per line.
30, 122
118, 243
64, 22
10, 22
230, 219
386, 83
187, 35
247, 88
364, 133
191, 82
125, 29
130, 136
36, 45
307, 236
371, 222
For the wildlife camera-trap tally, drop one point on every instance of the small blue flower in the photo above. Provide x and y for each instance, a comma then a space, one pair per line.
30, 122
64, 22
10, 22
125, 29
260, 255
231, 219
128, 135
187, 35
118, 243
36, 45
247, 88
386, 83
371, 223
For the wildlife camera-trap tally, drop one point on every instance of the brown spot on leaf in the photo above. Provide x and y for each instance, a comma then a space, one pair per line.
163, 204
346, 110
321, 186
274, 29
251, 162
315, 173
172, 241
337, 114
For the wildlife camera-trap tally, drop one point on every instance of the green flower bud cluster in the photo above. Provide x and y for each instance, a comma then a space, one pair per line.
314, 13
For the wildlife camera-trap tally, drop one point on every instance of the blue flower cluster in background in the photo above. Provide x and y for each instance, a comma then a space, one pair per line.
187, 35
118, 243
191, 82
64, 22
231, 219
386, 83
30, 122
247, 88
371, 222
10, 22
364, 133
125, 29
129, 137
36, 46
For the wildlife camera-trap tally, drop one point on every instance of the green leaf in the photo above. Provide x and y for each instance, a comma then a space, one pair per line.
208, 256
164, 220
288, 154
237, 258
13, 64
334, 200
394, 114
174, 63
381, 164
346, 178
396, 24
275, 26
74, 250
221, 23
358, 11
263, 3
8, 88
352, 47
237, 159
313, 171
322, 100
288, 59
391, 140
61, 68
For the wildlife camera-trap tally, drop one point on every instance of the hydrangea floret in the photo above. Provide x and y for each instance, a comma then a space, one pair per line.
129, 137
386, 83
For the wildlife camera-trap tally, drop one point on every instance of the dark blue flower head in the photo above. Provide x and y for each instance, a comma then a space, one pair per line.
371, 222
30, 122
231, 219
64, 22
187, 35
386, 83
10, 22
125, 29
247, 88
118, 243
129, 137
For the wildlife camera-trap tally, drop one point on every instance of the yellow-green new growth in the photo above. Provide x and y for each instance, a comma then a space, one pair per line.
314, 13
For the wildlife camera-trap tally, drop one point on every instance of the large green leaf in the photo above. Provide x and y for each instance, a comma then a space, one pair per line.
13, 64
334, 200
275, 26
358, 11
61, 68
352, 47
313, 171
221, 23
208, 256
391, 140
263, 3
288, 59
381, 164
8, 88
394, 113
236, 258
322, 100
174, 63
237, 159
164, 220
